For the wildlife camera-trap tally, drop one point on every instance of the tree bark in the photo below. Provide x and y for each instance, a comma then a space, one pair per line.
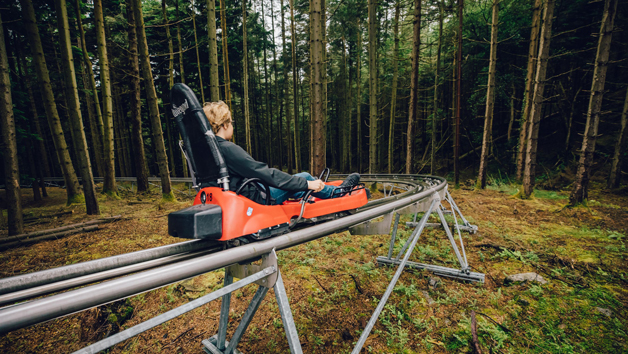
151, 101
414, 84
278, 112
109, 186
198, 58
225, 54
38, 147
316, 96
620, 147
269, 106
61, 147
511, 123
30, 148
245, 79
324, 81
346, 111
9, 145
435, 115
581, 185
536, 109
74, 109
98, 130
286, 90
295, 96
490, 99
135, 104
214, 91
458, 96
181, 67
533, 51
372, 13
393, 95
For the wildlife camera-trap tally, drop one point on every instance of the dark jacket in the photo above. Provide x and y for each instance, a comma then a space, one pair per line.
242, 166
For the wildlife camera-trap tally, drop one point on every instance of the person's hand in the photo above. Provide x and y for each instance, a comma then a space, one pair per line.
316, 185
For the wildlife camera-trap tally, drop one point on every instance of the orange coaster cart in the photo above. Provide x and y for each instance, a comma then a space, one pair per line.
224, 215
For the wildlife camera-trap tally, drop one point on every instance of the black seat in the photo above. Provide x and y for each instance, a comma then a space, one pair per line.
199, 142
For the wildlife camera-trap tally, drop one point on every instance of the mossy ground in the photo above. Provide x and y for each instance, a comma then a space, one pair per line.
334, 284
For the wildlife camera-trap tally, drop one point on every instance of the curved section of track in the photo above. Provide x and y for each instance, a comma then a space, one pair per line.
418, 187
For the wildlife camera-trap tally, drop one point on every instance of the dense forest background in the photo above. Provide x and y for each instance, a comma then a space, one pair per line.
356, 85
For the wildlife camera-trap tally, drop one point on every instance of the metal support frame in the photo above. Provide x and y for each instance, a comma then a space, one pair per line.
464, 272
266, 275
218, 343
455, 211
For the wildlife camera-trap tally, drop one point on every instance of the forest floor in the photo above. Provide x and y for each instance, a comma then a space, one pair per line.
334, 283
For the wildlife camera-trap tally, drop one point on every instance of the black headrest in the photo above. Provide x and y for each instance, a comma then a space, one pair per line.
200, 142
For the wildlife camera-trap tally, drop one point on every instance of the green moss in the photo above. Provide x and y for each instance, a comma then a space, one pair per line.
110, 194
78, 198
168, 197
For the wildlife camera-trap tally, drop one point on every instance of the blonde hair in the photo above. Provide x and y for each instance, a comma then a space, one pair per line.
217, 114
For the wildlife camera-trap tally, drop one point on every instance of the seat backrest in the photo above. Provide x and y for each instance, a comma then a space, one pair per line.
199, 141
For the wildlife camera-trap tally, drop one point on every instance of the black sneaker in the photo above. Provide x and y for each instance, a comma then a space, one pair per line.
351, 181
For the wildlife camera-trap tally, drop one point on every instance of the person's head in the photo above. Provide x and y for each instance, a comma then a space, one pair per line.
219, 117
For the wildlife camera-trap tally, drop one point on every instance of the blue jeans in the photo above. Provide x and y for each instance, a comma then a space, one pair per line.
280, 195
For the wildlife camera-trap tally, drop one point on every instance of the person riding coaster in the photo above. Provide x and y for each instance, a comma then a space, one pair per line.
263, 204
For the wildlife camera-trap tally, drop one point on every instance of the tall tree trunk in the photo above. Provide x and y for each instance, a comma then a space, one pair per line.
458, 97
435, 115
372, 13
393, 96
166, 98
414, 83
324, 79
533, 51
358, 100
151, 101
109, 186
316, 96
346, 111
225, 54
513, 98
490, 98
286, 95
94, 130
181, 67
182, 73
9, 145
278, 112
39, 148
214, 91
198, 58
620, 147
164, 14
295, 97
74, 109
349, 105
581, 185
245, 79
537, 107
269, 105
61, 147
98, 122
141, 173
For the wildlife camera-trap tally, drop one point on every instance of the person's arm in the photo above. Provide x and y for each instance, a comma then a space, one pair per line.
244, 165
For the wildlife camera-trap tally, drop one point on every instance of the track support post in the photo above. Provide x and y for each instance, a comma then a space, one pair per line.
464, 273
217, 344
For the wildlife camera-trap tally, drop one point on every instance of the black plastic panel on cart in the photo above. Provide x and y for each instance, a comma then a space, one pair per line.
203, 221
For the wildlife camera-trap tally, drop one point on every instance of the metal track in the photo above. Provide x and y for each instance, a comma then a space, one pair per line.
29, 313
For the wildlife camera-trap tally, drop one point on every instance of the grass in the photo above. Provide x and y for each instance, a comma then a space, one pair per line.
334, 283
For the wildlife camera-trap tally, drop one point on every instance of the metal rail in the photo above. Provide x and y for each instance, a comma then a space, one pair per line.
41, 310
30, 280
